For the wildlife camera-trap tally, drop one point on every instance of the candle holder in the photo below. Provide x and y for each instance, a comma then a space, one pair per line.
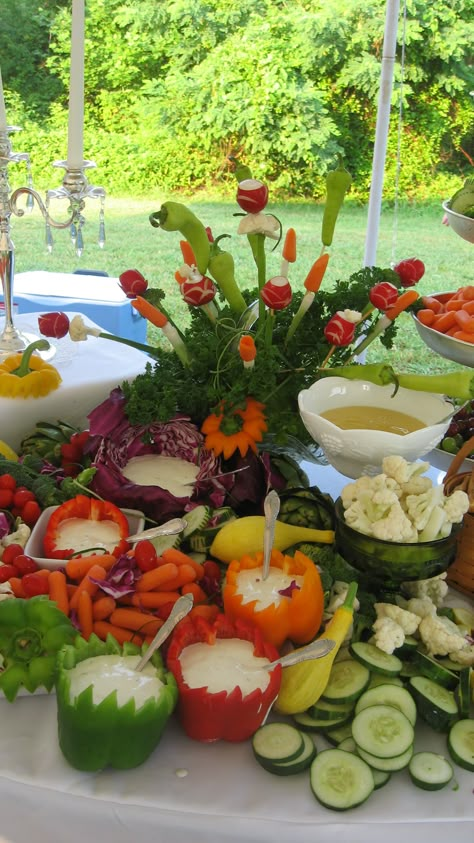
75, 188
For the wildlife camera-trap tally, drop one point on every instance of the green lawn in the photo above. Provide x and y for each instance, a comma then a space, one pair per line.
416, 230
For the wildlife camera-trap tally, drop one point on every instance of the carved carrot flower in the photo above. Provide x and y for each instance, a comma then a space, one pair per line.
235, 428
247, 351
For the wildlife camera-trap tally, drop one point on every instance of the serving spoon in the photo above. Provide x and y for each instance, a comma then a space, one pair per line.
170, 528
316, 650
271, 508
183, 605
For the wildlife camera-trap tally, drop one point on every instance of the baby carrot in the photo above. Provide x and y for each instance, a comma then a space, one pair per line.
157, 577
150, 312
84, 614
432, 303
58, 590
142, 622
86, 584
187, 253
316, 273
102, 629
404, 300
454, 304
426, 316
77, 568
468, 306
154, 599
186, 574
172, 554
464, 336
197, 592
289, 246
103, 608
465, 322
444, 321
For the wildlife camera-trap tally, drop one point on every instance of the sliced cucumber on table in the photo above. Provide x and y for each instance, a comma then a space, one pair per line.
436, 705
430, 771
461, 743
387, 765
383, 731
277, 743
375, 659
462, 692
432, 669
388, 695
347, 681
340, 780
296, 765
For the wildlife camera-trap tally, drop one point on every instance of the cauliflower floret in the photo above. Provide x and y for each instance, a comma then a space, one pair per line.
420, 507
394, 526
388, 634
353, 491
456, 506
407, 620
436, 588
416, 485
439, 637
402, 471
421, 606
465, 656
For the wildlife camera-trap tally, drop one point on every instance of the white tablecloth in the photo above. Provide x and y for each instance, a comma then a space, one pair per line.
225, 796
89, 371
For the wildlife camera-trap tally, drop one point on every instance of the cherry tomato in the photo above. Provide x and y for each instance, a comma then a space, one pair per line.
7, 571
30, 512
10, 553
145, 555
25, 565
6, 498
34, 584
7, 482
22, 496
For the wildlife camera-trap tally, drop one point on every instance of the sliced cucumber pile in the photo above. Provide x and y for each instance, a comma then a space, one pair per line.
430, 771
340, 780
282, 749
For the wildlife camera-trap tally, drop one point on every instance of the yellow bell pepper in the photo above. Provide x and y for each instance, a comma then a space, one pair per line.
23, 375
303, 683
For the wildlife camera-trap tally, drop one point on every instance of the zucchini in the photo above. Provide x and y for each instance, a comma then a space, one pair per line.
383, 731
295, 765
387, 765
277, 742
461, 744
430, 771
347, 681
436, 705
389, 695
375, 659
340, 780
432, 669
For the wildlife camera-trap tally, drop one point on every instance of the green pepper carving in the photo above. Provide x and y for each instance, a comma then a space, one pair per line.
31, 634
222, 269
338, 182
174, 216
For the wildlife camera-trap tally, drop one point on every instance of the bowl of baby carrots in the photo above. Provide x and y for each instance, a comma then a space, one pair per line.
445, 322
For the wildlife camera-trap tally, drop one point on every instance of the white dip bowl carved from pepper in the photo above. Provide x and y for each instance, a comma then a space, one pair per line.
354, 452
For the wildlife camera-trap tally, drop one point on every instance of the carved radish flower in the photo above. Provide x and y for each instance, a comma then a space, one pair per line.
252, 196
133, 283
340, 329
410, 271
383, 295
198, 291
276, 293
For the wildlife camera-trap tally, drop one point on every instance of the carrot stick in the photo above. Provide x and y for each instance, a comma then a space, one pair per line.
316, 273
187, 253
102, 629
17, 587
197, 592
405, 300
77, 568
172, 554
289, 246
84, 614
157, 577
154, 599
142, 622
103, 608
186, 574
150, 312
58, 590
86, 584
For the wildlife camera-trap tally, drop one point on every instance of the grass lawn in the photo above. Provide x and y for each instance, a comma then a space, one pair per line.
416, 230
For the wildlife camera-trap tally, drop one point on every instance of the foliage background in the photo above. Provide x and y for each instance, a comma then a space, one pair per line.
173, 88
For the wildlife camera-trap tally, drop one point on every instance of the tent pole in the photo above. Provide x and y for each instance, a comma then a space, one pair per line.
381, 130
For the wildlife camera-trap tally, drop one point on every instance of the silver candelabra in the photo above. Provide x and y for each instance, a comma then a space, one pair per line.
75, 188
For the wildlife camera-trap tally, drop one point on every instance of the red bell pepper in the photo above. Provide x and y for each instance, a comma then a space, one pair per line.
225, 716
86, 509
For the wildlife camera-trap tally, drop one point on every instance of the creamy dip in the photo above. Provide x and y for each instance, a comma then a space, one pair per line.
171, 473
223, 666
115, 673
251, 585
82, 533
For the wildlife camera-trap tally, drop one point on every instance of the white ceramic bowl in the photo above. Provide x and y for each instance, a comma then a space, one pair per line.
34, 545
463, 226
448, 347
357, 452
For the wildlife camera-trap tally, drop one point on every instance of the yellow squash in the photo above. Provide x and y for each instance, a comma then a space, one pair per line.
244, 537
303, 683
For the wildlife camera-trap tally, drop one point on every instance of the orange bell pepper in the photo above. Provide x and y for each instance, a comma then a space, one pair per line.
296, 615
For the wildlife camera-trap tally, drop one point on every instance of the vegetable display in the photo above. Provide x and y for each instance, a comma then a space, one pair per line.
108, 726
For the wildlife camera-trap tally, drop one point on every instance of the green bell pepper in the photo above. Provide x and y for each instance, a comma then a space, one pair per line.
31, 633
94, 736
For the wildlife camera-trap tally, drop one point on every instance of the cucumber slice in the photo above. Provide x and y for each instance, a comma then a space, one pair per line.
435, 704
323, 710
196, 519
340, 780
161, 543
450, 664
430, 771
348, 745
347, 680
295, 765
381, 777
277, 742
461, 744
387, 765
307, 723
375, 659
337, 734
379, 679
409, 646
432, 669
463, 692
389, 695
322, 724
383, 731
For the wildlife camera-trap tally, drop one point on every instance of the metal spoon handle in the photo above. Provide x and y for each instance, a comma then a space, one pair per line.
179, 611
315, 650
271, 508
170, 528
